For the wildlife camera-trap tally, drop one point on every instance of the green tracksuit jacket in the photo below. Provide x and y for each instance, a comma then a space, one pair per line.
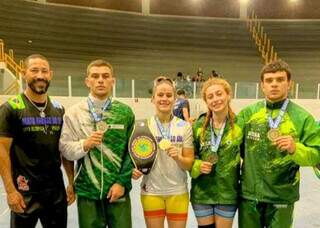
106, 164
221, 186
269, 175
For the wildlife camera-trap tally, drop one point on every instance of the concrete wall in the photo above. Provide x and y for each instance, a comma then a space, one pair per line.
143, 107
273, 9
7, 78
285, 9
206, 8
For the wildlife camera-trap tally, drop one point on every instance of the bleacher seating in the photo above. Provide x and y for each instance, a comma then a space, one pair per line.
138, 46
297, 42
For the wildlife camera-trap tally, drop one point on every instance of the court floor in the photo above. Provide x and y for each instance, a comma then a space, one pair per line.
307, 210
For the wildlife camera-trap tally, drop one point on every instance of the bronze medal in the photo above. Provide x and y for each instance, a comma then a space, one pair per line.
273, 134
212, 158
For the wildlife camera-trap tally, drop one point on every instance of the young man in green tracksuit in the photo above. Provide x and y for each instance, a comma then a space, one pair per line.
279, 137
96, 132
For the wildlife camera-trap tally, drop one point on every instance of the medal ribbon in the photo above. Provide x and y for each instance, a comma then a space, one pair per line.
98, 116
165, 132
275, 124
215, 142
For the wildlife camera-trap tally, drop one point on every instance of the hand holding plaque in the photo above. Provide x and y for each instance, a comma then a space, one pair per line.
136, 174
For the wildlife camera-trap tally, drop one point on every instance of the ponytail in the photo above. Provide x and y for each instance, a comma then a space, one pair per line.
205, 125
232, 118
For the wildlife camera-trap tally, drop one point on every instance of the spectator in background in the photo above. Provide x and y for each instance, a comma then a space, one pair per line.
188, 78
214, 74
199, 77
181, 108
188, 86
179, 80
183, 83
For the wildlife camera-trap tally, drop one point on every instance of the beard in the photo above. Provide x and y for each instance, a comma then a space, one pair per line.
39, 89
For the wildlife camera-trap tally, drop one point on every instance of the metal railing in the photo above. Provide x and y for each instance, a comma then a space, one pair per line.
13, 88
8, 59
1, 51
260, 38
142, 88
14, 67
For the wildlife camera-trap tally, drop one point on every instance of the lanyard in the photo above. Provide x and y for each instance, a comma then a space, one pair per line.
215, 142
95, 115
275, 123
165, 132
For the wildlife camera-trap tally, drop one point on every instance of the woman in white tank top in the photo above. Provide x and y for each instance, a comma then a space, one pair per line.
164, 192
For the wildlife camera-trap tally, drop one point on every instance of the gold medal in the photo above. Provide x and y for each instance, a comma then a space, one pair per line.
164, 144
102, 126
273, 134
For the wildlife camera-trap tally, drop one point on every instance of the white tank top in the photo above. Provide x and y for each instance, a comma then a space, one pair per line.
166, 177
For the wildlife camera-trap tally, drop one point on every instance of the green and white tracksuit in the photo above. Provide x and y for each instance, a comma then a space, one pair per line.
270, 178
106, 164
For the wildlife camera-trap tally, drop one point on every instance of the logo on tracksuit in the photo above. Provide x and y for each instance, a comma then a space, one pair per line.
22, 183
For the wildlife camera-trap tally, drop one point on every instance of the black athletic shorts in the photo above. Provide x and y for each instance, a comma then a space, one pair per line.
49, 206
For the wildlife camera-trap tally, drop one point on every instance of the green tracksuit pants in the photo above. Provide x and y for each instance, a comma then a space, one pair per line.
254, 214
102, 214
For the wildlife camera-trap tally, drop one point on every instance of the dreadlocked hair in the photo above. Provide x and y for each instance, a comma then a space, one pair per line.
228, 90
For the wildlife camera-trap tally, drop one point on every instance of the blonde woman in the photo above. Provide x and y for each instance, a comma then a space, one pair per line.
164, 192
215, 172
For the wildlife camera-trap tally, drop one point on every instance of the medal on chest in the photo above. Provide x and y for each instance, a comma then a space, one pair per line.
274, 131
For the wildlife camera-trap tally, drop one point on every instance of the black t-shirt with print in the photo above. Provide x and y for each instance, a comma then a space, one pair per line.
34, 153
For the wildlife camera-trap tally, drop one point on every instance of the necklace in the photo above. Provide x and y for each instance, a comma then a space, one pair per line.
40, 109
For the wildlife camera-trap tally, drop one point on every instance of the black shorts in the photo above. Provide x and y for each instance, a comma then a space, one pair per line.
49, 206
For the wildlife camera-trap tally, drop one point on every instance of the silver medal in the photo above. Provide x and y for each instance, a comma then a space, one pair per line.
102, 126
